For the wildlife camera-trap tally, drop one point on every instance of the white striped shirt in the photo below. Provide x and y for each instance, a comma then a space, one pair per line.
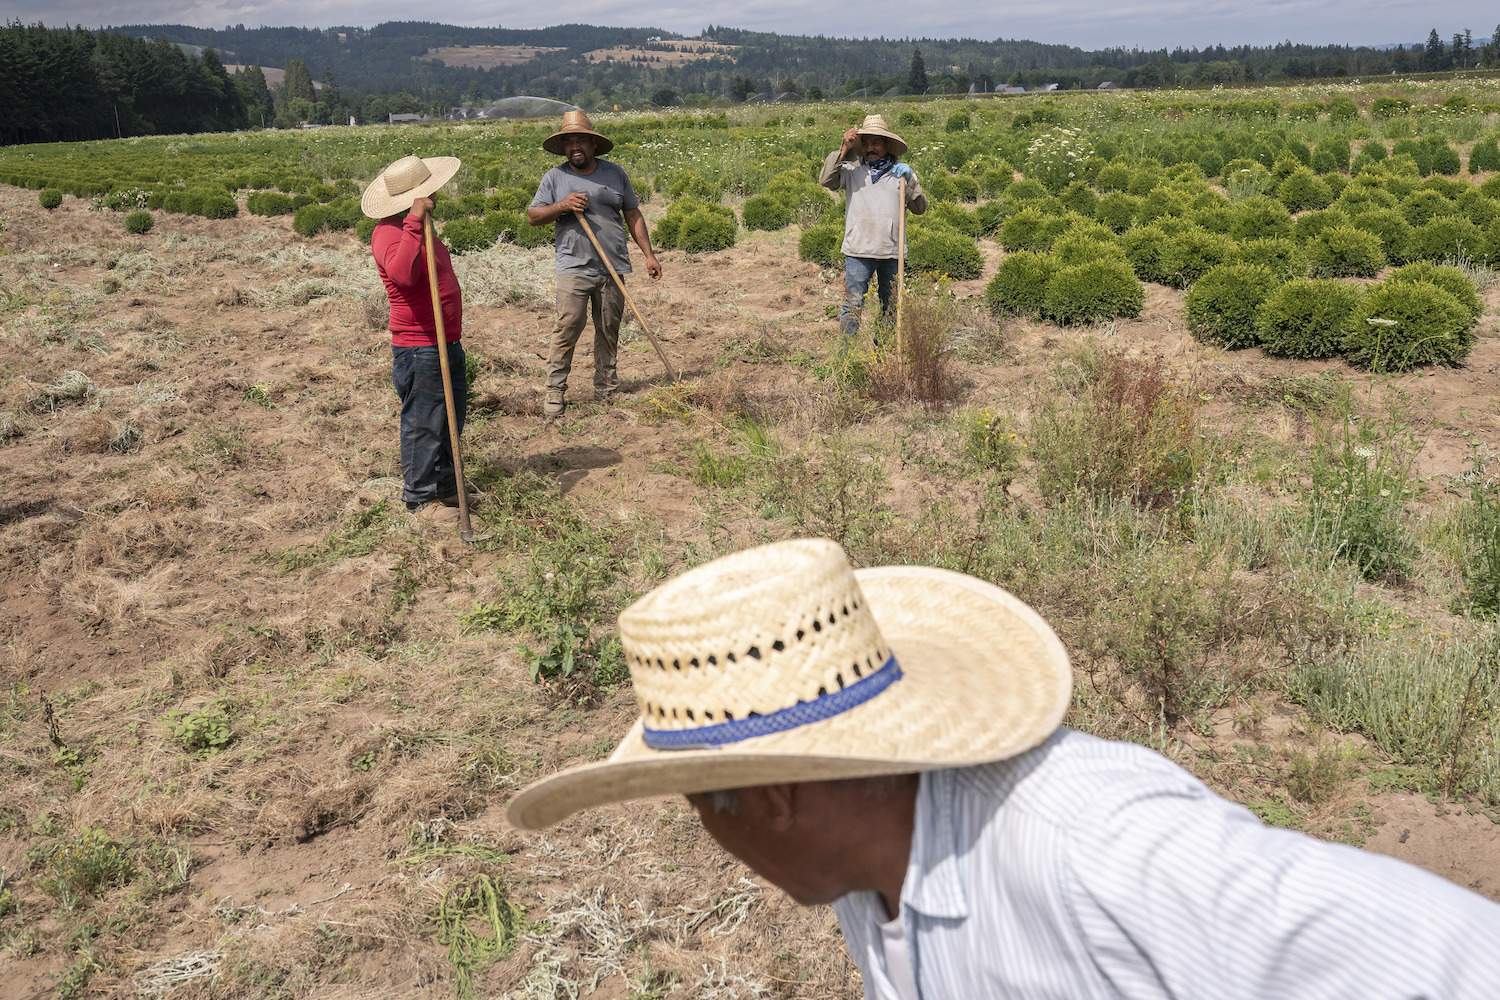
1092, 869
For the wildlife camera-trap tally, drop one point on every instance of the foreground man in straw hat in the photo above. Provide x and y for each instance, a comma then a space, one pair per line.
401, 198
601, 191
871, 186
886, 741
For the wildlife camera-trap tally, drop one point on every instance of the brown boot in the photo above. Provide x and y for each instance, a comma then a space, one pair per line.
555, 404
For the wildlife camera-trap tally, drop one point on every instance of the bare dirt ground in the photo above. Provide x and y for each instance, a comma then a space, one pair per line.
188, 522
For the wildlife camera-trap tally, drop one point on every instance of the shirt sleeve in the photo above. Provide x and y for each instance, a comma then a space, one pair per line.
1219, 905
916, 198
628, 200
401, 256
544, 192
832, 176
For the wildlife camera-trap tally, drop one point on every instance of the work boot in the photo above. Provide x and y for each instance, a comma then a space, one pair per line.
439, 513
555, 404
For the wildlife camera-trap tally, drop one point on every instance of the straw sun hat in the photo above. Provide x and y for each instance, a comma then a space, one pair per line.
781, 664
404, 181
875, 125
575, 123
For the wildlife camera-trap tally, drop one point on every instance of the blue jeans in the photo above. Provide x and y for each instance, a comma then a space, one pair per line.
426, 451
857, 274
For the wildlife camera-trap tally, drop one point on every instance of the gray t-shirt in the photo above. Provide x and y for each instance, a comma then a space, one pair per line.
609, 194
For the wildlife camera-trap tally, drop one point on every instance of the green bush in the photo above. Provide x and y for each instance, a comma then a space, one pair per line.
1477, 208
1391, 228
1448, 237
690, 185
1256, 218
1080, 198
1277, 254
298, 200
1345, 252
1024, 190
822, 245
995, 180
1335, 148
1361, 197
1214, 218
1424, 205
364, 229
1306, 318
1420, 153
1030, 230
1146, 249
948, 214
1117, 210
965, 188
1389, 107
959, 121
218, 205
49, 198
1192, 253
1484, 157
343, 213
324, 193
1221, 305
1336, 184
1445, 159
1145, 178
940, 250
765, 212
310, 220
939, 187
696, 226
1211, 163
1303, 191
1342, 109
268, 203
1310, 224
1113, 177
1449, 279
139, 222
1093, 292
465, 235
1019, 286
1078, 246
1421, 324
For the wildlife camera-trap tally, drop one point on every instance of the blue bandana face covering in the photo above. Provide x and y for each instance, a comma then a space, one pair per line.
804, 712
879, 168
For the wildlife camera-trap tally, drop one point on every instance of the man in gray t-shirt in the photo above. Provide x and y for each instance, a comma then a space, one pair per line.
602, 192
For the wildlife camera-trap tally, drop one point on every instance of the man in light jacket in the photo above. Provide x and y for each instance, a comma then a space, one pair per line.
870, 182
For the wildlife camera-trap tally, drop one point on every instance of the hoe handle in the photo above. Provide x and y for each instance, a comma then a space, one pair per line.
900, 260
671, 372
465, 530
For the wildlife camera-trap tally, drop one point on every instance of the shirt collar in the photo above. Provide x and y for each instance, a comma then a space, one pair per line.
934, 883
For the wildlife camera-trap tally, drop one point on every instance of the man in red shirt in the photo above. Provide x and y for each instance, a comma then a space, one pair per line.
401, 259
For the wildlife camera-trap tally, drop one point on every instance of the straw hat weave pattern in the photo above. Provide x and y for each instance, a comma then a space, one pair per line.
875, 125
783, 664
404, 181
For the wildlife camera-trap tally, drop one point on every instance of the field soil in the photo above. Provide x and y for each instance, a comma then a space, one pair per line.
192, 521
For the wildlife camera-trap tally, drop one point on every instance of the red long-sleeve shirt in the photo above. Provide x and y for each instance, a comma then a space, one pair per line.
401, 260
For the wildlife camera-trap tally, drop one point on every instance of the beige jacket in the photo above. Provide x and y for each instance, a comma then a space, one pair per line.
872, 211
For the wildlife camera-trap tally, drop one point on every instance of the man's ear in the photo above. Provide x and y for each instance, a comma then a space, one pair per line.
781, 806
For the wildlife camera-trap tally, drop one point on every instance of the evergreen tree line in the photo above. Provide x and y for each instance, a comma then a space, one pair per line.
71, 84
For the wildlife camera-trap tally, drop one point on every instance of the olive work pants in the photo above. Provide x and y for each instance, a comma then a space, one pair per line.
577, 295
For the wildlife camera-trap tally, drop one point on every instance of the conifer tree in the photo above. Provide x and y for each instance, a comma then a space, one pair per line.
916, 80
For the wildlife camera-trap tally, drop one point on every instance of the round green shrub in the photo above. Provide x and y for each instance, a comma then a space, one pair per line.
1078, 246
1256, 218
343, 213
1029, 229
299, 200
218, 205
1093, 292
1306, 318
1345, 252
1361, 197
995, 180
1024, 190
1310, 224
940, 250
1113, 177
1192, 253
364, 229
1336, 148
445, 210
1448, 237
1336, 184
464, 235
1221, 305
765, 212
1302, 191
1144, 179
1146, 249
1445, 159
1214, 218
1477, 208
1277, 254
1117, 210
939, 187
1424, 205
1449, 279
670, 228
705, 231
324, 193
1391, 228
1080, 198
1427, 326
139, 222
691, 185
965, 188
49, 198
310, 220
822, 245
1019, 286
1323, 162
1484, 157
523, 233
268, 203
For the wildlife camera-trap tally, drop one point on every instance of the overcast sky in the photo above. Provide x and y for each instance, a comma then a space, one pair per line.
1085, 23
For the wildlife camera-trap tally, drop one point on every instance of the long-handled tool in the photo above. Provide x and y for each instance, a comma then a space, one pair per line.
465, 531
900, 261
671, 372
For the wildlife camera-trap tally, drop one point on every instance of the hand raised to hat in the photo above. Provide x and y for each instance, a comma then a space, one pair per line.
851, 139
422, 208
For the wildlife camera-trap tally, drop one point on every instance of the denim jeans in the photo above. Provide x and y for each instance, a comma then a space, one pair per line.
426, 450
857, 274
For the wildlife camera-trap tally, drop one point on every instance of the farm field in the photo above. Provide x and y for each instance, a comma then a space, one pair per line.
488, 56
259, 725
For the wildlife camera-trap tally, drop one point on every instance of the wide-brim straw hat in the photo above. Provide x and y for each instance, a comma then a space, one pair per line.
404, 181
782, 664
575, 123
875, 125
